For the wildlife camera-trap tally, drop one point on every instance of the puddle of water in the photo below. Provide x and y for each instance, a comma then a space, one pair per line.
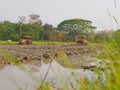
60, 75
12, 78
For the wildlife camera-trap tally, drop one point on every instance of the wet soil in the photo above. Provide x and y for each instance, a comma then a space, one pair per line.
66, 55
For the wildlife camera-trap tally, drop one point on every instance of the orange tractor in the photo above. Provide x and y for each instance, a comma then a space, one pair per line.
25, 40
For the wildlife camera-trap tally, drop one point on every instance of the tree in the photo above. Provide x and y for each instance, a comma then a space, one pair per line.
35, 19
47, 28
104, 36
74, 27
8, 31
21, 21
56, 36
35, 24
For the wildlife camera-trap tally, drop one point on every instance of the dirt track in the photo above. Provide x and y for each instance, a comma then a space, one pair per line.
35, 54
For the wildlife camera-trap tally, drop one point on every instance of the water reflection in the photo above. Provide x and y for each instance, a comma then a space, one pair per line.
12, 78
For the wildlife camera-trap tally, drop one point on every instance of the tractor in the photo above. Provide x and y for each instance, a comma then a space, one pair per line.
25, 40
81, 40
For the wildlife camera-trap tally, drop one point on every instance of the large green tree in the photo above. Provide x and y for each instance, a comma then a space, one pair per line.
73, 27
76, 26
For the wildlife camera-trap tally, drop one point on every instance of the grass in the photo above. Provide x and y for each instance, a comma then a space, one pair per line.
8, 43
37, 43
52, 43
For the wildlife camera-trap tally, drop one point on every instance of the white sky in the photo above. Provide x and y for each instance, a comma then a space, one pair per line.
55, 11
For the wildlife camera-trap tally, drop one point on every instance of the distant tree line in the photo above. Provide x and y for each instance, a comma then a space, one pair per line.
65, 31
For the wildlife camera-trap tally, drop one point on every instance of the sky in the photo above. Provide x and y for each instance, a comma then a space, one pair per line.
104, 14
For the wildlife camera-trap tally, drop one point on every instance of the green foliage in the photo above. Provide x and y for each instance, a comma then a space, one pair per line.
8, 31
75, 27
45, 86
117, 36
56, 36
105, 37
65, 31
75, 24
46, 31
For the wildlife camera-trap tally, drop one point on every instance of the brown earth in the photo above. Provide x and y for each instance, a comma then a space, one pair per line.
35, 54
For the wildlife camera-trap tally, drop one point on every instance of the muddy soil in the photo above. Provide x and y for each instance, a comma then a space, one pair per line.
76, 56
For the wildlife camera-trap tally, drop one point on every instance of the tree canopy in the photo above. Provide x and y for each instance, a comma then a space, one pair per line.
78, 26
